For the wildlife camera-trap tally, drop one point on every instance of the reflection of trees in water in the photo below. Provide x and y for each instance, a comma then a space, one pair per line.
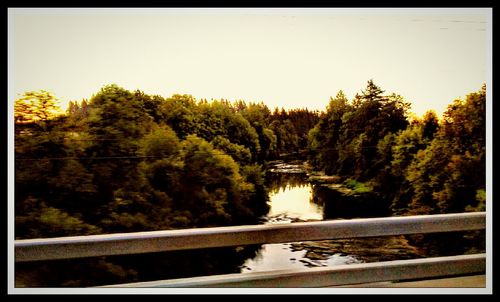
450, 243
133, 268
338, 205
431, 245
318, 196
277, 182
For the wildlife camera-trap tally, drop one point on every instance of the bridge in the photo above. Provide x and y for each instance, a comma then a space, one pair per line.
462, 271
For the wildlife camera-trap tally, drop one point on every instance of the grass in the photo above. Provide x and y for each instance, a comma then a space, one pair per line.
357, 187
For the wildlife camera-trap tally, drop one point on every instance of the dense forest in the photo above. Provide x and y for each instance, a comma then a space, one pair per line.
419, 166
126, 161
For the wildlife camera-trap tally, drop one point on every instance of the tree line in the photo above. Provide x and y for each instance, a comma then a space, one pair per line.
425, 165
126, 161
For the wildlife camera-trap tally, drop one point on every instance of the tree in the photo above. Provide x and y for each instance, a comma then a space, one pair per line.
36, 107
161, 142
179, 112
450, 173
77, 116
152, 105
41, 221
239, 153
324, 138
218, 119
430, 124
40, 148
215, 192
372, 93
256, 113
345, 139
116, 123
464, 135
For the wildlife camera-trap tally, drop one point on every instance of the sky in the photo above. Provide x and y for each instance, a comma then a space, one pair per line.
286, 58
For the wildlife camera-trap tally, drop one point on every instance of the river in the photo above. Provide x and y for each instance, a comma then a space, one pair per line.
290, 200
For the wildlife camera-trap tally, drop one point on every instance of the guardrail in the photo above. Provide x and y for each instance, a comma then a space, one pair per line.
157, 241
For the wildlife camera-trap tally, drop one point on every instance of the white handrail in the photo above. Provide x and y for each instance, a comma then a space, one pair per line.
347, 274
170, 240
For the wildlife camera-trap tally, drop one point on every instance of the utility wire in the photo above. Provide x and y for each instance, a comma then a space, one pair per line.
89, 158
213, 152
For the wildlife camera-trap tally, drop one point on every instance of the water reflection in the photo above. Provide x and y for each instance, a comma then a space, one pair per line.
282, 256
336, 205
293, 203
291, 200
290, 196
279, 181
97, 271
274, 257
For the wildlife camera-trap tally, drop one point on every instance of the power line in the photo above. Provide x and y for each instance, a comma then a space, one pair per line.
213, 152
88, 158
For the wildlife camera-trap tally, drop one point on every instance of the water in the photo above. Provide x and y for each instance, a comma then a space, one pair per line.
290, 200
293, 203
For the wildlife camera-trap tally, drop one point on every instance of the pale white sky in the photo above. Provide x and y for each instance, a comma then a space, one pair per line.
291, 58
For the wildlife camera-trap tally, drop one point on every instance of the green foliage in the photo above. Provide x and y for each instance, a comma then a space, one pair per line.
116, 120
216, 191
41, 220
291, 129
159, 143
130, 162
255, 113
357, 187
481, 202
61, 223
345, 139
219, 119
239, 153
446, 175
422, 167
179, 112
324, 138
